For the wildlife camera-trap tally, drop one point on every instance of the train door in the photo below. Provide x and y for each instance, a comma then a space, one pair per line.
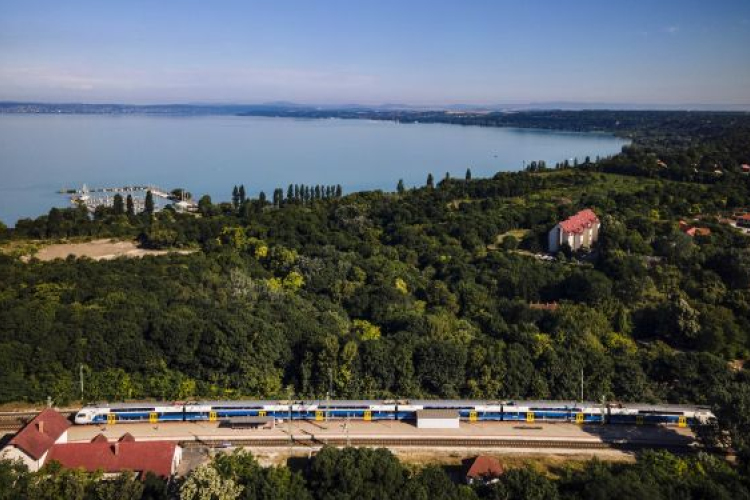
111, 418
153, 417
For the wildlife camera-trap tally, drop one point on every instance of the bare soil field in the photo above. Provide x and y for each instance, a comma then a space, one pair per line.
103, 249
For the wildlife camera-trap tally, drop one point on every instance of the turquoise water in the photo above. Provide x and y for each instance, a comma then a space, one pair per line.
40, 154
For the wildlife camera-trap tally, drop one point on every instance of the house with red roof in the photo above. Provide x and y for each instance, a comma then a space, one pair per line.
32, 443
125, 454
577, 231
484, 470
743, 220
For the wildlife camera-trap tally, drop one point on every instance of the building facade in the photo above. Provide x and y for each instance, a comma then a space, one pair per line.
577, 231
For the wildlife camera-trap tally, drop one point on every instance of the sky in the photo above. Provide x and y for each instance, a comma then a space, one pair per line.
438, 52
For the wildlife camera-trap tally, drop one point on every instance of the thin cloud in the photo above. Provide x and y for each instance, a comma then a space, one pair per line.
671, 30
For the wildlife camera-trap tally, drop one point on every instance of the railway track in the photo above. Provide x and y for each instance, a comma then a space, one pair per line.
14, 421
429, 443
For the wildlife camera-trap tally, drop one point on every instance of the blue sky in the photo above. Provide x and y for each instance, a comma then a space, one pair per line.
419, 52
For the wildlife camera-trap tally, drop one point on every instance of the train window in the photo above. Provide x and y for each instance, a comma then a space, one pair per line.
237, 407
130, 410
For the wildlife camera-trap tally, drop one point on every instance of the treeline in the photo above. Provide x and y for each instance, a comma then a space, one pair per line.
355, 473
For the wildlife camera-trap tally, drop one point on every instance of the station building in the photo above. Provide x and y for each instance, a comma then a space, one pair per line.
438, 419
32, 443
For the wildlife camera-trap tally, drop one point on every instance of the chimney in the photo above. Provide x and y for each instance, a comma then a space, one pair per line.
40, 426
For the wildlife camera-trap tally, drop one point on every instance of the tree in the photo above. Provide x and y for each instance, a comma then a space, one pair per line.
468, 174
149, 203
524, 483
430, 181
339, 191
290, 193
400, 187
118, 205
130, 206
236, 197
205, 483
242, 195
205, 206
356, 473
262, 198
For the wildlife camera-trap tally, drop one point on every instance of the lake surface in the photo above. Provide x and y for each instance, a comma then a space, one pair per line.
41, 154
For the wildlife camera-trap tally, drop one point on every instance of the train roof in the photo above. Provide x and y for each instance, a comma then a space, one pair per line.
143, 404
553, 404
662, 407
454, 402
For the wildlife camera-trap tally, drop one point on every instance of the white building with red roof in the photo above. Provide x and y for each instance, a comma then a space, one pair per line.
32, 443
577, 231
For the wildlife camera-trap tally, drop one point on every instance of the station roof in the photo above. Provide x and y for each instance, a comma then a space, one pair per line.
249, 420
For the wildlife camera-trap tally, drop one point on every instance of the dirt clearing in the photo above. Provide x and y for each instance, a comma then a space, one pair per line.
104, 249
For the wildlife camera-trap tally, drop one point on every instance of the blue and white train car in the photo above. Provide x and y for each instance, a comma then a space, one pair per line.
213, 410
664, 414
130, 412
354, 409
553, 411
471, 410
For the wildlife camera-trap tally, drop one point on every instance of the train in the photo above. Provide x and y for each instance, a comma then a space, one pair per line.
368, 410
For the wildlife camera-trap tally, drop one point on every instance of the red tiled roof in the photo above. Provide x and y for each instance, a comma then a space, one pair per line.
698, 231
41, 433
100, 438
551, 306
484, 467
143, 457
580, 221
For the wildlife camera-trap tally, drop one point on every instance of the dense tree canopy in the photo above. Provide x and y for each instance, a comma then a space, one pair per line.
429, 292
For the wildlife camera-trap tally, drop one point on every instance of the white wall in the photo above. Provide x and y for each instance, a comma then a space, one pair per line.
438, 423
13, 453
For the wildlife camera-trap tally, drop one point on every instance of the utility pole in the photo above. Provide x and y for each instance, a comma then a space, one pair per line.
330, 390
581, 385
80, 374
346, 427
289, 423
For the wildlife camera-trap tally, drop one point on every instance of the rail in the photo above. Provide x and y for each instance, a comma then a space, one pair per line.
312, 442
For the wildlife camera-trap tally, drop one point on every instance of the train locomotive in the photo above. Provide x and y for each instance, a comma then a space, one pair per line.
472, 411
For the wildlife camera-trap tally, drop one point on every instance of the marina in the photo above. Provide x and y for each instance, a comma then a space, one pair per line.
105, 197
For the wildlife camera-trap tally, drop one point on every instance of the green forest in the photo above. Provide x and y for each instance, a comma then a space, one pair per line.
428, 292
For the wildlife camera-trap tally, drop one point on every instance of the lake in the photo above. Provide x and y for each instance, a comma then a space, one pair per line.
41, 154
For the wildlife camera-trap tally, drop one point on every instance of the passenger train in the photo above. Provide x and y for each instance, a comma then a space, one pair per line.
513, 411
